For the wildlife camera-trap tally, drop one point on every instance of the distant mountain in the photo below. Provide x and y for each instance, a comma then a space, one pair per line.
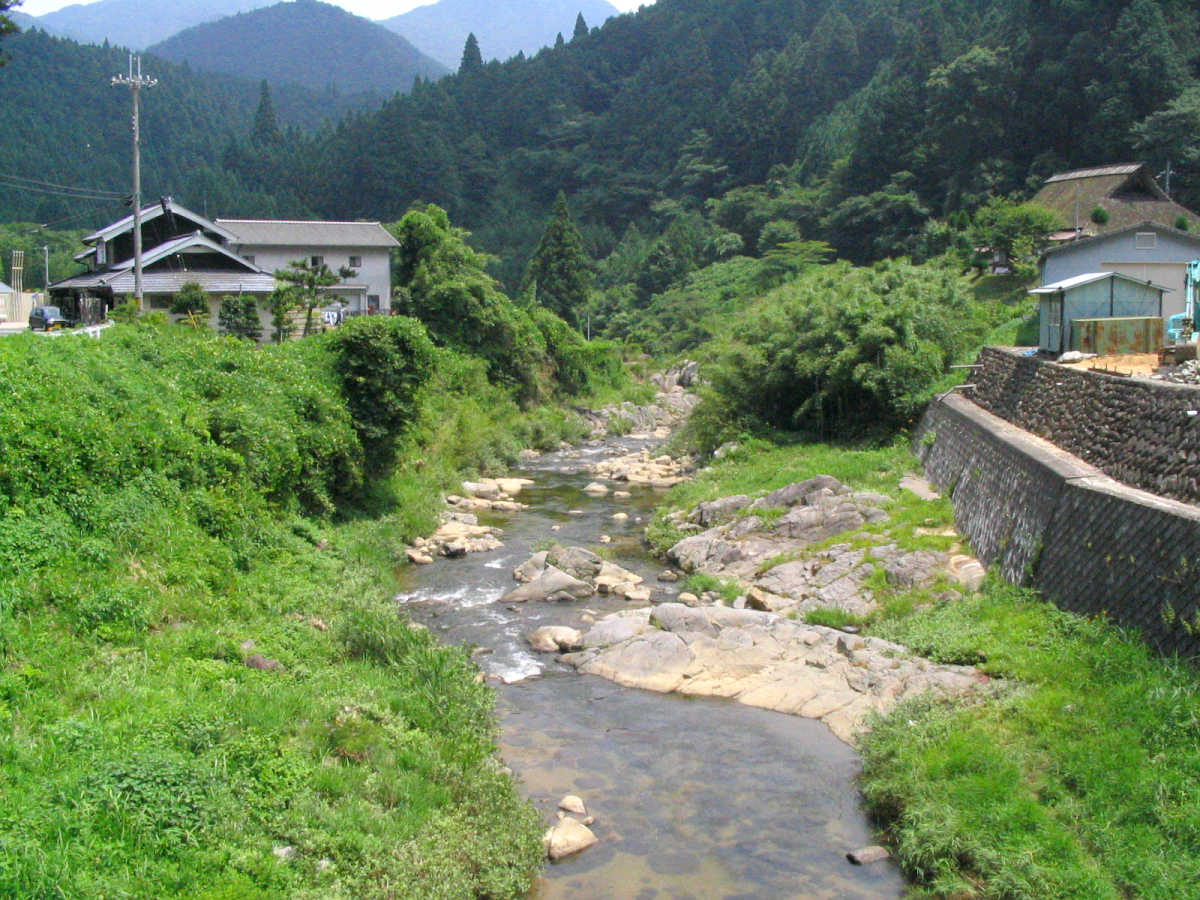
502, 26
136, 23
304, 42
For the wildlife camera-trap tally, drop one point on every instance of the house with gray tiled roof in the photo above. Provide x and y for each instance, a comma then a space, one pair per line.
1127, 194
364, 247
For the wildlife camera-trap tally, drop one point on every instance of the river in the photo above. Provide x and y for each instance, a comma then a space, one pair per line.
693, 798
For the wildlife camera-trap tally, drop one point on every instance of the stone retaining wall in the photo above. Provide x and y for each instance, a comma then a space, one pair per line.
1049, 520
1142, 433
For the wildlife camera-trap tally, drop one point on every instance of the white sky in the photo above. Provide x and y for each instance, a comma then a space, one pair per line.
371, 9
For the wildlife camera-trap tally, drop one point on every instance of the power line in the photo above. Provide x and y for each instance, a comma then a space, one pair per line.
100, 192
52, 192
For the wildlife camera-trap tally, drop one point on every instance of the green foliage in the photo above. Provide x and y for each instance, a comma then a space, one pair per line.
238, 316
266, 126
558, 273
838, 350
1015, 231
1099, 215
382, 363
305, 286
190, 301
472, 59
156, 526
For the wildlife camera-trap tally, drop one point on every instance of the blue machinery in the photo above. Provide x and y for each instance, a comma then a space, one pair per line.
1180, 327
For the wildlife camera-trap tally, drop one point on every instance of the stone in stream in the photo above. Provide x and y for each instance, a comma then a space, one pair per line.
551, 585
531, 568
573, 804
577, 562
867, 855
553, 638
567, 838
596, 489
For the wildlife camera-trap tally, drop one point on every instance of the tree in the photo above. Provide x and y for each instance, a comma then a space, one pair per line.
581, 28
558, 41
472, 59
560, 267
266, 125
7, 25
238, 317
307, 281
1014, 231
191, 301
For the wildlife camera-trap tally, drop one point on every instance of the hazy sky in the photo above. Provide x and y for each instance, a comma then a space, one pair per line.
372, 9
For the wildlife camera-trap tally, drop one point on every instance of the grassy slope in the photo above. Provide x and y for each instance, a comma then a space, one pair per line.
1079, 777
160, 507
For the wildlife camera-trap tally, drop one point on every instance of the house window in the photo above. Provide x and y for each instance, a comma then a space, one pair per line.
373, 302
356, 262
317, 261
1146, 240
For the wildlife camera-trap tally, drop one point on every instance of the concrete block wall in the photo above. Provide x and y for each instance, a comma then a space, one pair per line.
1143, 433
1051, 521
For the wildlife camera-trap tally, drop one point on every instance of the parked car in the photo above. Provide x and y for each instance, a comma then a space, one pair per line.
49, 318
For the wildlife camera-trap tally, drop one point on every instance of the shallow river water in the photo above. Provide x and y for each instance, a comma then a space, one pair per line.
693, 798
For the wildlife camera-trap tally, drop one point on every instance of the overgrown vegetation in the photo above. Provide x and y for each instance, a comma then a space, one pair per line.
1074, 773
205, 687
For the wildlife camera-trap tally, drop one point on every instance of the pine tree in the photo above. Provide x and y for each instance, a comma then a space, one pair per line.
7, 26
558, 41
472, 59
266, 125
560, 267
581, 28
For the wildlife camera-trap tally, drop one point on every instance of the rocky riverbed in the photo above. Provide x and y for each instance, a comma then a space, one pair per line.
670, 817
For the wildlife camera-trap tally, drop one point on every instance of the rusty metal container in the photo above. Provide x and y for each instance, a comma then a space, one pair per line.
1113, 336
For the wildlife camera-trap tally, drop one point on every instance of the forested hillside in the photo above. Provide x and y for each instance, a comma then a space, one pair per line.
854, 121
687, 133
303, 42
69, 126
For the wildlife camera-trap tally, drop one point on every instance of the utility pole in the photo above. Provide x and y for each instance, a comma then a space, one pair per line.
46, 258
135, 81
1166, 176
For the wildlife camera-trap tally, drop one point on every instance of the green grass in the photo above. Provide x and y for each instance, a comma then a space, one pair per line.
832, 617
1074, 774
172, 504
728, 588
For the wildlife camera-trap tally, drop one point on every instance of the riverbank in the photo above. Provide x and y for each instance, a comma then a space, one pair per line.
1075, 773
206, 689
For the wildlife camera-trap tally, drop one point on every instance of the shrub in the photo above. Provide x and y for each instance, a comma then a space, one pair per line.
840, 349
382, 364
1100, 215
238, 316
190, 301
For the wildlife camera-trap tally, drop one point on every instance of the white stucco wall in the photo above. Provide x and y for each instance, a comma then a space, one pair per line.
374, 275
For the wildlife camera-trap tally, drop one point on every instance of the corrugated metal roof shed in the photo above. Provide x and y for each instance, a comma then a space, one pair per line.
315, 234
1087, 278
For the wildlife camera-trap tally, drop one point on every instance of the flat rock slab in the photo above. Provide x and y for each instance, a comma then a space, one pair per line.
764, 660
551, 585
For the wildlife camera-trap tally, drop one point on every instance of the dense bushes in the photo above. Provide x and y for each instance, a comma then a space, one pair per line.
838, 350
165, 501
382, 364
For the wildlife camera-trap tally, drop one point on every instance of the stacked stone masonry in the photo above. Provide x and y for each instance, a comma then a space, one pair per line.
1143, 433
1046, 519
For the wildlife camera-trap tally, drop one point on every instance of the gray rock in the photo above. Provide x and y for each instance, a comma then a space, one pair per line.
677, 618
708, 548
553, 638
867, 855
713, 511
553, 584
577, 562
567, 838
914, 569
531, 568
613, 630
796, 493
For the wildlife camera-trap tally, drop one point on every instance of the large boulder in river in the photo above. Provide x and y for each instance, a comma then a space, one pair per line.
711, 512
801, 492
708, 548
551, 585
575, 561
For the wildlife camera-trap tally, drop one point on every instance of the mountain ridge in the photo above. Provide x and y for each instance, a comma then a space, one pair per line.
136, 23
503, 27
304, 42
